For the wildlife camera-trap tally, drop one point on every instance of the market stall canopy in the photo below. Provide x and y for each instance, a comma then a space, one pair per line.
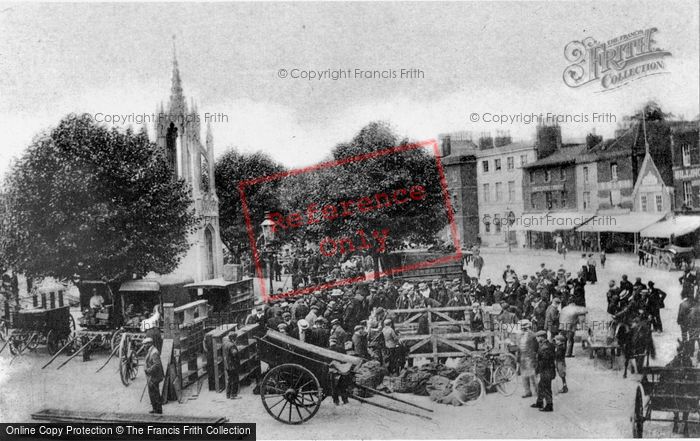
214, 283
621, 223
551, 221
139, 286
677, 226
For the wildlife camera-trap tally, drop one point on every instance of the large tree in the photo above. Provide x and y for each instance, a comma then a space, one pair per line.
416, 221
102, 202
232, 168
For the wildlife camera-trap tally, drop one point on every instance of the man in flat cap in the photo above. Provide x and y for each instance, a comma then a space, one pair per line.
154, 375
546, 370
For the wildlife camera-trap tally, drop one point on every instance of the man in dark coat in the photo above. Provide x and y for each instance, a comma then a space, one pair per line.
655, 303
546, 369
154, 375
687, 280
625, 285
232, 364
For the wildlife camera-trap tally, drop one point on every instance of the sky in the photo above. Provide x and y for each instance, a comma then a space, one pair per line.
475, 57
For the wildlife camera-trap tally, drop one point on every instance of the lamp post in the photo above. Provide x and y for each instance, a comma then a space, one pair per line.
268, 239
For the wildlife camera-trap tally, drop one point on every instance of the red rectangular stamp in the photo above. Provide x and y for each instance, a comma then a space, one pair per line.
359, 205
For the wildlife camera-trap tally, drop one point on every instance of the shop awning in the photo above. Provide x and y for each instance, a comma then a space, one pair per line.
621, 223
677, 226
551, 221
213, 283
140, 285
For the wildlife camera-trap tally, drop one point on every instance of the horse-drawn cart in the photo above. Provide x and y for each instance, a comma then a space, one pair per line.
673, 390
302, 375
49, 326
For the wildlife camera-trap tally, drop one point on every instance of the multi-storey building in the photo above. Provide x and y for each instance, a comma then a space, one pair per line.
500, 165
459, 162
685, 149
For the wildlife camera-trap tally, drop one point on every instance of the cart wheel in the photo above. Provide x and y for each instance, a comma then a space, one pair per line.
71, 322
468, 388
505, 376
638, 415
3, 331
291, 393
128, 360
52, 342
33, 341
116, 339
17, 343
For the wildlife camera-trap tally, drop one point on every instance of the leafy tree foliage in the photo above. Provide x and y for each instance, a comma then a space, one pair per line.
101, 202
230, 169
416, 221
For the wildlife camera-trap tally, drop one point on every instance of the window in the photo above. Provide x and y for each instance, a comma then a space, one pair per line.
613, 171
532, 201
548, 200
585, 174
547, 176
644, 202
485, 166
562, 174
497, 222
562, 201
487, 196
523, 160
487, 226
688, 193
686, 155
511, 191
659, 203
499, 191
532, 177
510, 163
586, 200
497, 164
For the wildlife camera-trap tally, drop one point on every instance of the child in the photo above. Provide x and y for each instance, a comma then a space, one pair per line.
560, 361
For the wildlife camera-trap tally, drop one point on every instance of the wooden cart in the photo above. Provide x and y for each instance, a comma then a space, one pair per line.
49, 326
302, 375
667, 390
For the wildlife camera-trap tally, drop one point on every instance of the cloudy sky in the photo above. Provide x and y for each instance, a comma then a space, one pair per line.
476, 57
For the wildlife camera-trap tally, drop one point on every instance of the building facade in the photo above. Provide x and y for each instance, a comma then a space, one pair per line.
459, 162
500, 165
685, 149
177, 132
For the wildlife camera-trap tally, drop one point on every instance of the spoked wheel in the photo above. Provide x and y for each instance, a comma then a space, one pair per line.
291, 393
638, 415
3, 331
33, 341
468, 388
18, 342
505, 380
55, 342
116, 339
71, 322
508, 360
128, 360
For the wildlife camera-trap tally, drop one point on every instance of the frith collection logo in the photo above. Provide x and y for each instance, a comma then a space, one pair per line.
615, 62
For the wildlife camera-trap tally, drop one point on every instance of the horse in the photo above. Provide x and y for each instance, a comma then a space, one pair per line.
636, 343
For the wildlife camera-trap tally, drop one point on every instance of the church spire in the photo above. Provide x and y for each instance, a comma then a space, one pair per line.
177, 99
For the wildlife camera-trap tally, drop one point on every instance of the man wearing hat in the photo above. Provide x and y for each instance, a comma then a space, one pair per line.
391, 343
359, 342
568, 319
312, 315
232, 364
527, 354
546, 370
154, 375
303, 329
551, 320
339, 334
